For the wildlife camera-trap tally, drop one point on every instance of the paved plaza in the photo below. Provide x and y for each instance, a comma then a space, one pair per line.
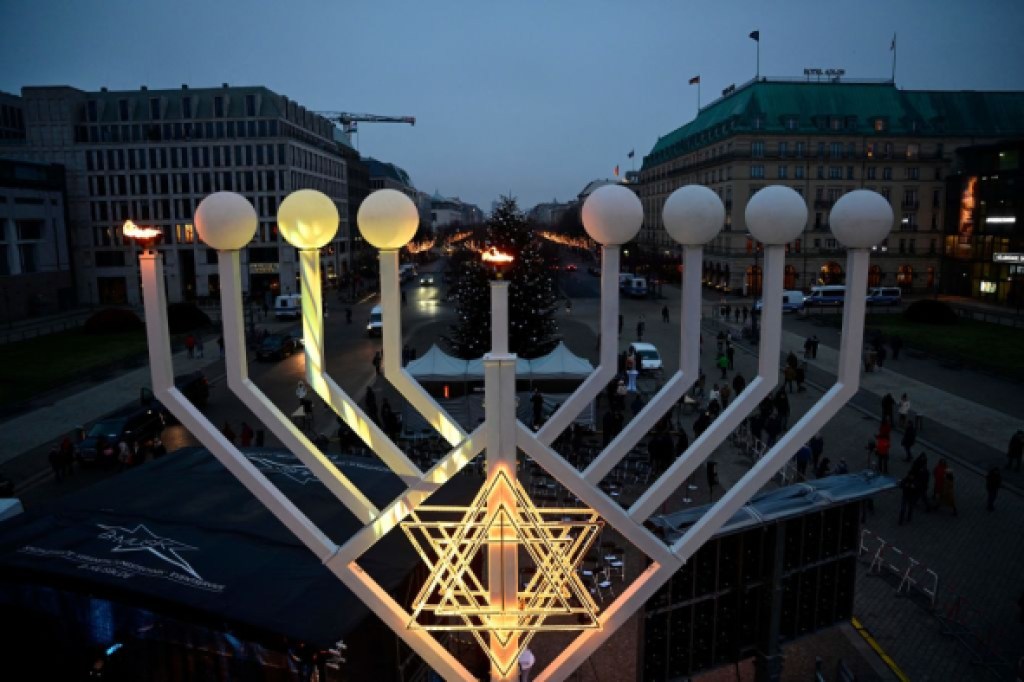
977, 555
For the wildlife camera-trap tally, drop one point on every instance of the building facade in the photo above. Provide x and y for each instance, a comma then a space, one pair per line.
984, 240
152, 155
35, 263
825, 139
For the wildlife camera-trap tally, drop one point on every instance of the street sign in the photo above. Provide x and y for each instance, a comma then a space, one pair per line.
1008, 257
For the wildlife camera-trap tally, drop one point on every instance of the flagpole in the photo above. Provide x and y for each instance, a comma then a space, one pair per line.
894, 59
757, 72
698, 95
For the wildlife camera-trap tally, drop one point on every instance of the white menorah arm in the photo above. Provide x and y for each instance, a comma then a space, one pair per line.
171, 398
409, 388
416, 494
821, 412
636, 594
397, 619
280, 425
606, 507
333, 395
608, 361
676, 387
758, 388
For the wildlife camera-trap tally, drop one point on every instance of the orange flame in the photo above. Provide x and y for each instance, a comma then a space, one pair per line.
496, 257
146, 236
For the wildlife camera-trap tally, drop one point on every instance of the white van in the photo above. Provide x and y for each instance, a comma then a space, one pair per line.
288, 306
830, 294
792, 301
637, 287
375, 325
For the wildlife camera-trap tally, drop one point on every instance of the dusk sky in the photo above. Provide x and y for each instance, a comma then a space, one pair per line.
532, 98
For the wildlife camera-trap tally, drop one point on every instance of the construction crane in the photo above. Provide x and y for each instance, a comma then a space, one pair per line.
349, 122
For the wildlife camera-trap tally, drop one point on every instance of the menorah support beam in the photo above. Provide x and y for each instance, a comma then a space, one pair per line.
676, 387
756, 390
237, 372
390, 303
609, 343
847, 382
328, 390
162, 372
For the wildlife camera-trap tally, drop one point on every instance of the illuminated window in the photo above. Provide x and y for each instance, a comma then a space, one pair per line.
880, 125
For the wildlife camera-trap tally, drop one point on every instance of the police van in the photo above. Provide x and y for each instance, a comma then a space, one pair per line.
827, 295
288, 306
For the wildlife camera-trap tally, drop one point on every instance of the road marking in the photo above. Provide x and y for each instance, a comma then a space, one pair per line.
886, 658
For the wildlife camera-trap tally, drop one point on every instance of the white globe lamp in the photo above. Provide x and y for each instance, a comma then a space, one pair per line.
776, 215
861, 219
693, 215
308, 219
612, 215
226, 221
388, 219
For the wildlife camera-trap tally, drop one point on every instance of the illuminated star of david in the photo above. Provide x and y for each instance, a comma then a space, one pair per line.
454, 597
142, 539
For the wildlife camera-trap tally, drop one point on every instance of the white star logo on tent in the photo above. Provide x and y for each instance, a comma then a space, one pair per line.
141, 539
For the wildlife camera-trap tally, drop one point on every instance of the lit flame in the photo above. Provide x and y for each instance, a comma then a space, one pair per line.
133, 231
496, 257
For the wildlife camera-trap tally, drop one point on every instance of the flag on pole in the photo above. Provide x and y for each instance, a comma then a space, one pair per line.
892, 46
616, 170
755, 35
631, 152
695, 80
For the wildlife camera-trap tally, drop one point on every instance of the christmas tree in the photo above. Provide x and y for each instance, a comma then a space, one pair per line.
532, 328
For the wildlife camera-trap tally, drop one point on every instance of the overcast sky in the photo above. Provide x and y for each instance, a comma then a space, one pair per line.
532, 98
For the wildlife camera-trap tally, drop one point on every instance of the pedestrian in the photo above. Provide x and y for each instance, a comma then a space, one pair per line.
537, 400
725, 394
220, 345
842, 468
801, 377
904, 410
54, 457
526, 662
730, 352
738, 384
300, 390
723, 364
728, 311
746, 312
919, 470
789, 374
814, 347
228, 432
896, 343
993, 482
909, 437
190, 346
701, 423
124, 455
199, 346
807, 348
824, 468
348, 315
782, 407
159, 449
664, 314
817, 444
772, 426
803, 458
885, 428
882, 445
720, 342
620, 395
908, 496
736, 315
246, 435
377, 359
641, 326
370, 404
711, 471
1015, 451
880, 355
888, 406
939, 476
568, 306
948, 497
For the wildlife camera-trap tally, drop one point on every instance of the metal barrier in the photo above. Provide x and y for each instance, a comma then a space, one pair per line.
913, 575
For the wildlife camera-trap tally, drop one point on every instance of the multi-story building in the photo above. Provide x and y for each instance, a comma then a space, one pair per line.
447, 211
152, 155
35, 266
12, 118
824, 139
984, 240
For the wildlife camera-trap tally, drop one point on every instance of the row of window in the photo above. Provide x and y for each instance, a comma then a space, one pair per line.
158, 158
157, 107
189, 183
167, 132
757, 170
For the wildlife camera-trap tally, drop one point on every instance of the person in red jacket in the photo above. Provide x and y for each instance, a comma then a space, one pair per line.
882, 445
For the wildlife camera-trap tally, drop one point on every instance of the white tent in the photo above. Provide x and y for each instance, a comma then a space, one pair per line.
475, 368
436, 365
561, 363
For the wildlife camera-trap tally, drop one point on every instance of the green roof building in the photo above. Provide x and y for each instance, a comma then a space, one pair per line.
824, 139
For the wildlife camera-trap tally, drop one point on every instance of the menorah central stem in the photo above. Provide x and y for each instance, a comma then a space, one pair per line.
502, 548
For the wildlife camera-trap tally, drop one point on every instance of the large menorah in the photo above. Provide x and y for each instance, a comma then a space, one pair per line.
502, 614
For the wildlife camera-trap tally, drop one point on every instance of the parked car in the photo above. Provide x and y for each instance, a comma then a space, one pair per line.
277, 347
288, 306
427, 280
571, 267
792, 301
885, 296
648, 359
192, 385
134, 426
375, 325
